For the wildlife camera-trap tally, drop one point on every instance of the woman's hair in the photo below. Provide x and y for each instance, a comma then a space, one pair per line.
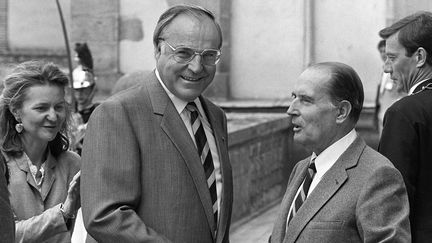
16, 86
84, 56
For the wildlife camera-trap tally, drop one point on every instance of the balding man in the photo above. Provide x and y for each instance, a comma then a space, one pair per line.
345, 191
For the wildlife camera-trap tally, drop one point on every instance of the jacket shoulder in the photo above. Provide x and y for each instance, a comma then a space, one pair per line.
372, 160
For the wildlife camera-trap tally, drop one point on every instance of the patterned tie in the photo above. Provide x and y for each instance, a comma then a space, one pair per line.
205, 154
301, 196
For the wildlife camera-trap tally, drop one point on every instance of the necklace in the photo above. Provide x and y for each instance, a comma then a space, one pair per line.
426, 87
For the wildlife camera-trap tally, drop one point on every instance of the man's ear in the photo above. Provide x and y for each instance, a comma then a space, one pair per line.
344, 109
421, 56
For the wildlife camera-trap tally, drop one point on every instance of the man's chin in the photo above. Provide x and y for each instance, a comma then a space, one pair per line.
399, 87
298, 139
187, 94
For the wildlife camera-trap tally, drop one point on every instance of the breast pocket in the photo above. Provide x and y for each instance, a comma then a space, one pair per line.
325, 225
328, 231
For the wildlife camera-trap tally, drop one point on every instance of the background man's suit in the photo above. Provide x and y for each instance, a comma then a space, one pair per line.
359, 193
407, 142
159, 191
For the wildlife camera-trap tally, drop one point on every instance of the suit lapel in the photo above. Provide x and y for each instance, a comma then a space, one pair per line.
174, 128
220, 134
280, 226
23, 165
330, 183
49, 176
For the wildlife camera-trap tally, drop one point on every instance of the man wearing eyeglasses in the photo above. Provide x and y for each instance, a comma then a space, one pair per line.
155, 163
407, 134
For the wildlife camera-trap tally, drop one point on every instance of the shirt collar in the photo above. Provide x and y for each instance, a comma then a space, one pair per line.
327, 158
313, 157
411, 90
179, 104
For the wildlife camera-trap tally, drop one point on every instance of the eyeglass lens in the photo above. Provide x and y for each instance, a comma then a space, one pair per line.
209, 57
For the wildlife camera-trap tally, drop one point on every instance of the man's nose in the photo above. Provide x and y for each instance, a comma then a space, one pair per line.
292, 110
195, 64
387, 67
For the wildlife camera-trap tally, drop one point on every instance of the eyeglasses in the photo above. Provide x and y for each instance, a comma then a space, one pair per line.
185, 55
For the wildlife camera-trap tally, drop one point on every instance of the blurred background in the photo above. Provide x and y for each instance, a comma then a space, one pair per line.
266, 43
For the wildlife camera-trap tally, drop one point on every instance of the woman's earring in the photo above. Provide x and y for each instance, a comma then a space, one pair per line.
19, 127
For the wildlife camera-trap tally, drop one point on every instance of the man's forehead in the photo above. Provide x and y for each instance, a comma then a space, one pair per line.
187, 28
188, 20
312, 81
393, 44
316, 76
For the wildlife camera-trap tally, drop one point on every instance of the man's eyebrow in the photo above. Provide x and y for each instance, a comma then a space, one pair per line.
304, 96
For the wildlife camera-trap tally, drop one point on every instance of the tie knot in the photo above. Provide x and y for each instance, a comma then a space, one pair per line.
191, 106
193, 109
312, 166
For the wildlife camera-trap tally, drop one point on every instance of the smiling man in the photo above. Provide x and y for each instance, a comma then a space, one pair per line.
407, 134
345, 191
155, 159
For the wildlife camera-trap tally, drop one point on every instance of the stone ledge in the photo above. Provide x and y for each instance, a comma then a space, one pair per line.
243, 127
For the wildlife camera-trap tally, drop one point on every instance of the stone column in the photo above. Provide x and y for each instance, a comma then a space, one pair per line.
220, 86
97, 23
3, 26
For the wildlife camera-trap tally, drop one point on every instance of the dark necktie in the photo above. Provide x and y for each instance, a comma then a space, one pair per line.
301, 196
205, 154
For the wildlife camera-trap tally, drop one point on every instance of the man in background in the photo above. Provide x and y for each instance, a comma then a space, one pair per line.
387, 93
407, 135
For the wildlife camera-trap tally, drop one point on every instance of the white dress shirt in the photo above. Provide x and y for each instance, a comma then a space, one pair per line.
328, 157
325, 160
180, 106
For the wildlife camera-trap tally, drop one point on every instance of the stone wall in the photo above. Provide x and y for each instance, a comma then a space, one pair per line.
259, 147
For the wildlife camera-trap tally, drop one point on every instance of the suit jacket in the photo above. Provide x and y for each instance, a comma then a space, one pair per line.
361, 198
407, 142
7, 226
142, 178
37, 215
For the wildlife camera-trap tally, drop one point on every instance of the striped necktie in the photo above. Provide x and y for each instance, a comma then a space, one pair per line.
205, 154
301, 196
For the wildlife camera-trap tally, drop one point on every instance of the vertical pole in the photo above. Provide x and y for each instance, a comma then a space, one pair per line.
308, 30
68, 55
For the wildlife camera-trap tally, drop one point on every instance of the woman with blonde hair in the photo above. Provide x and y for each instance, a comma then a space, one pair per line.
44, 175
